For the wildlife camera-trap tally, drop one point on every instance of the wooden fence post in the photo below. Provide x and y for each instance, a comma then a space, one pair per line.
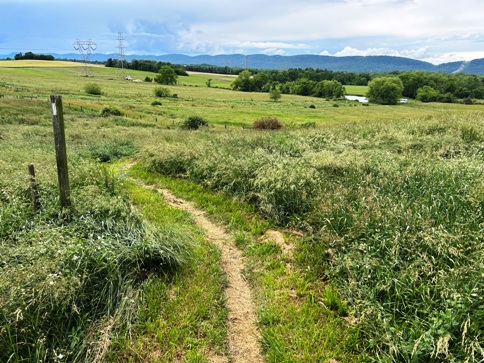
34, 190
60, 150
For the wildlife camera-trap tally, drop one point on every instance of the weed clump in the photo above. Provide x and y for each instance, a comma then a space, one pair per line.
111, 111
267, 123
156, 103
193, 123
162, 92
92, 89
112, 150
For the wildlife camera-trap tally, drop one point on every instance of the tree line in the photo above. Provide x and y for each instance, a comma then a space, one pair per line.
263, 82
420, 85
441, 87
146, 66
30, 55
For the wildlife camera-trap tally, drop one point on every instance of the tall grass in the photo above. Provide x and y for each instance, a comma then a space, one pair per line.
393, 214
68, 281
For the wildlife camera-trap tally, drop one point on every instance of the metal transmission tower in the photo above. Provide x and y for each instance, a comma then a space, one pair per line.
121, 56
85, 47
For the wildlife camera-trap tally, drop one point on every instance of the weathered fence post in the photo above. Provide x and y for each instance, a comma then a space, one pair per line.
60, 150
34, 190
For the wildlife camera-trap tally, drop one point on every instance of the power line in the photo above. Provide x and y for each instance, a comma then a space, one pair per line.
121, 55
85, 47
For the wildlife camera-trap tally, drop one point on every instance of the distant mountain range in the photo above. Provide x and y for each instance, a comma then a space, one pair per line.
371, 64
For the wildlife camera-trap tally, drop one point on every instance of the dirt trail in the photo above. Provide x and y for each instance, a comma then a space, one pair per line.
243, 335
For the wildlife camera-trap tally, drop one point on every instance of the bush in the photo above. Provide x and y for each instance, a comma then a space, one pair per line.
156, 103
112, 150
111, 111
275, 95
385, 90
148, 79
194, 122
267, 123
92, 89
162, 92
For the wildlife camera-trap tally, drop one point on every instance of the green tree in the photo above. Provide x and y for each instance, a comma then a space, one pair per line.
427, 94
275, 95
110, 63
166, 75
329, 89
385, 90
412, 81
243, 82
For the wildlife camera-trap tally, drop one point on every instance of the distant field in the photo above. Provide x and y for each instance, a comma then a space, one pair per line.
201, 79
219, 105
356, 90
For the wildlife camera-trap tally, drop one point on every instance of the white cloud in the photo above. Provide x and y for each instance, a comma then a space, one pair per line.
273, 51
408, 53
267, 45
422, 29
423, 54
454, 57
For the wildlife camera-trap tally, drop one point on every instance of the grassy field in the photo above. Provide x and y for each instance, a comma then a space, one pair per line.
356, 90
219, 106
383, 203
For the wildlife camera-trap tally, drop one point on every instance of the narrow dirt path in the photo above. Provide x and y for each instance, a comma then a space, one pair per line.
243, 335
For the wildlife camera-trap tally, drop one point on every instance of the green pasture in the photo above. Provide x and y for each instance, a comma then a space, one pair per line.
356, 90
384, 206
220, 106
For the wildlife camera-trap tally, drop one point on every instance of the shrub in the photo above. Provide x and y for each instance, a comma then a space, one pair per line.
156, 103
92, 89
111, 111
112, 150
267, 123
148, 79
194, 122
162, 92
275, 95
312, 106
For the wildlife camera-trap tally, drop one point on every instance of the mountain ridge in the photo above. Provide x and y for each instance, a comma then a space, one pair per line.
369, 64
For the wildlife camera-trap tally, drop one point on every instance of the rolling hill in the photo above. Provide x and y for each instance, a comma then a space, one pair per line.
371, 64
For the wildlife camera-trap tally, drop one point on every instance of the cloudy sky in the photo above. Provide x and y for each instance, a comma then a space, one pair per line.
432, 30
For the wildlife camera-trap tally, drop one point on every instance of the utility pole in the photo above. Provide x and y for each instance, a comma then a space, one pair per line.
85, 47
121, 55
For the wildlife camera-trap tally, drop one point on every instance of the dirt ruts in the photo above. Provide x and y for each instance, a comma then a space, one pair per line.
243, 334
